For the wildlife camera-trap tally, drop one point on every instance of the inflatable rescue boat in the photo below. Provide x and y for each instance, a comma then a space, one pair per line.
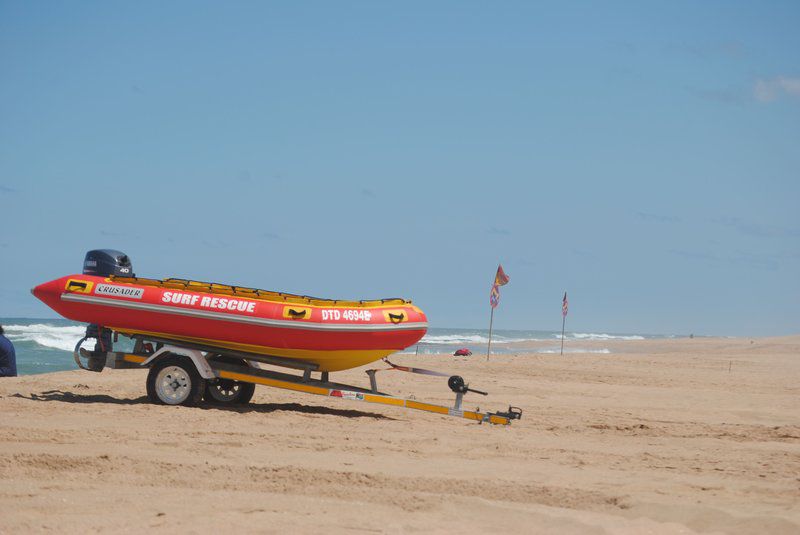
330, 334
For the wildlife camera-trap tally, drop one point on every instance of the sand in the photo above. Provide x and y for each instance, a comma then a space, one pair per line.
660, 436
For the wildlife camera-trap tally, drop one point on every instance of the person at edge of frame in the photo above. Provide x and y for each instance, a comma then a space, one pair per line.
8, 357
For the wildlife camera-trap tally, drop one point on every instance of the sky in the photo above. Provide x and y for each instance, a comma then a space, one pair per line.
642, 156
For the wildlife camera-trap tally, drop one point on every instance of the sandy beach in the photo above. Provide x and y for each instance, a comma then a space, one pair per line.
660, 436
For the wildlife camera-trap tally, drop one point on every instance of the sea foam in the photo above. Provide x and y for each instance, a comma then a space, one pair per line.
601, 336
450, 339
49, 336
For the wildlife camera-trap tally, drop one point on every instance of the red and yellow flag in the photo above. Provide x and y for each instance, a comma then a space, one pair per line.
500, 279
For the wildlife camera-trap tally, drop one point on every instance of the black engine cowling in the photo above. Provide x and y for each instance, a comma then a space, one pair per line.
106, 262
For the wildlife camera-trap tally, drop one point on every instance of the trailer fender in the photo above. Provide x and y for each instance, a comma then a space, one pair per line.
198, 358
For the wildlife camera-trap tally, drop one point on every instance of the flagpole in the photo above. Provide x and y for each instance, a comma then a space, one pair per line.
489, 347
564, 308
500, 279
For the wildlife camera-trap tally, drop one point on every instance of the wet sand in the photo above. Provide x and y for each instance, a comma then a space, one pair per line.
659, 436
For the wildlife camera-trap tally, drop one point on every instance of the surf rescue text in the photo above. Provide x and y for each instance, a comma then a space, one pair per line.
219, 303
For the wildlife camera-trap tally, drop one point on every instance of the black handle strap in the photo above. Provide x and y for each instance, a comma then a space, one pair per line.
396, 318
297, 313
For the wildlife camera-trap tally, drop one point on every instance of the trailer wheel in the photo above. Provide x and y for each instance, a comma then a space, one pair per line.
228, 391
174, 380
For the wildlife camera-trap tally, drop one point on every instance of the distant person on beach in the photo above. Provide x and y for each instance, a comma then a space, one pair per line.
8, 358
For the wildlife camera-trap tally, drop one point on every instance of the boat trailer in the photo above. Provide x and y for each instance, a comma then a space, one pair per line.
185, 373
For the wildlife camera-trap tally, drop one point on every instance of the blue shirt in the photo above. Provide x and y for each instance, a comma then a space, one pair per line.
8, 358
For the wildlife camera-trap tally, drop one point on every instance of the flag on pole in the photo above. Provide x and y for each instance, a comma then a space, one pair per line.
494, 296
500, 279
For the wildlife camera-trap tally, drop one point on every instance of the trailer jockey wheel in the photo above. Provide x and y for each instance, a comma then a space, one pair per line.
456, 384
174, 380
228, 391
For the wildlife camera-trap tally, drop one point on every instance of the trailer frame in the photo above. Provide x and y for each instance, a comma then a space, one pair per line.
206, 363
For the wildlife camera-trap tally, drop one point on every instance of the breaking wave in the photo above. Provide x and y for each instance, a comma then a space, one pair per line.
451, 339
601, 336
499, 338
63, 337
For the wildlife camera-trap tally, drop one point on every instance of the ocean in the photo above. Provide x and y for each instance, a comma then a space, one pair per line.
45, 345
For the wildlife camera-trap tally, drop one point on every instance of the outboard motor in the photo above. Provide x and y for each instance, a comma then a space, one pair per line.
106, 262
103, 263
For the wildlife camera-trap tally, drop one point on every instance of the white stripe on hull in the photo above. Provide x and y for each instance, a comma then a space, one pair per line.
206, 314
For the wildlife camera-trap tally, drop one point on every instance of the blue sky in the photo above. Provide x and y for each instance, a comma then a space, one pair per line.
643, 157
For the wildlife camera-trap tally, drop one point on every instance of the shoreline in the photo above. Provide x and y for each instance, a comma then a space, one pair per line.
571, 348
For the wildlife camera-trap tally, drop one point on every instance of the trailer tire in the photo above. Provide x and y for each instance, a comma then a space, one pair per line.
228, 391
174, 380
